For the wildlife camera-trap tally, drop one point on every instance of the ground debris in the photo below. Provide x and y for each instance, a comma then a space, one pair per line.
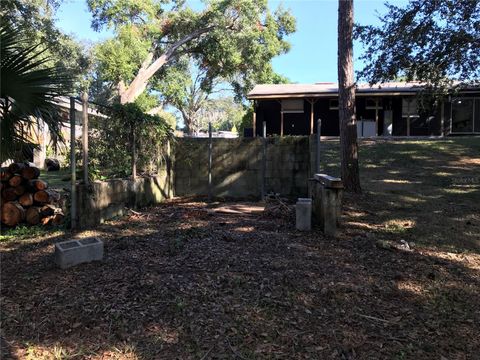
278, 207
191, 280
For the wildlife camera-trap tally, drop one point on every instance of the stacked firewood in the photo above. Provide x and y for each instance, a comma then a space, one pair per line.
27, 199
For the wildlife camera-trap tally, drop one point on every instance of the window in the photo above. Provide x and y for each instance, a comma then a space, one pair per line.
292, 106
409, 107
373, 104
333, 104
462, 115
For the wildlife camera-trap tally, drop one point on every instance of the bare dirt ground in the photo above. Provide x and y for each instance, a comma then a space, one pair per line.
187, 280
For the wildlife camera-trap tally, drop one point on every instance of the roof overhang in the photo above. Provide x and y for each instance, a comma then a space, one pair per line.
322, 90
326, 95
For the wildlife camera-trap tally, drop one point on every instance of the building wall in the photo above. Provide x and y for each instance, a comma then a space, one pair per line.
428, 124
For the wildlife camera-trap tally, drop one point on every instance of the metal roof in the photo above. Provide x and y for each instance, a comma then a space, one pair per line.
265, 91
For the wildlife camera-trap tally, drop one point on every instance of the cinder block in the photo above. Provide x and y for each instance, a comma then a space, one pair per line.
74, 252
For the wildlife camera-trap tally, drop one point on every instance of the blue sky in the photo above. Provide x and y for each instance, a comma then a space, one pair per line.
313, 55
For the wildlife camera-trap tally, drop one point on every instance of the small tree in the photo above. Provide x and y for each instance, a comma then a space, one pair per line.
130, 137
346, 98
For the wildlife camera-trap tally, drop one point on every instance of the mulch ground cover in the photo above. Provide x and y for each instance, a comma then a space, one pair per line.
187, 280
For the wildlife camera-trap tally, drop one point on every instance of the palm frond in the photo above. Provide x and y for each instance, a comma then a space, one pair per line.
28, 89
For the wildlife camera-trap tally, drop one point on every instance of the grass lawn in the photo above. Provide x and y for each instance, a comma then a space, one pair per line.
186, 281
56, 179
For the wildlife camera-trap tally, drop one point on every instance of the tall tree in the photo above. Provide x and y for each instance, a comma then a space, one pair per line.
433, 41
187, 87
227, 37
36, 19
346, 98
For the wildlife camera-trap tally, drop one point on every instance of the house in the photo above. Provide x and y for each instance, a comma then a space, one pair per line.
389, 109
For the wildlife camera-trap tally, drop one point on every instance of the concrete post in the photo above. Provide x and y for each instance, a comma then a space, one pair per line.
303, 213
328, 211
327, 202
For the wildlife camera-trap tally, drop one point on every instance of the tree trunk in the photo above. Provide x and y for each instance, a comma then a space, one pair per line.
30, 173
130, 93
346, 98
16, 180
46, 196
12, 213
5, 174
33, 215
26, 200
188, 121
8, 194
39, 184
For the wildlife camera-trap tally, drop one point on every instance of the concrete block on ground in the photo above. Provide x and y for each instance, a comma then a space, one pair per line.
303, 210
73, 252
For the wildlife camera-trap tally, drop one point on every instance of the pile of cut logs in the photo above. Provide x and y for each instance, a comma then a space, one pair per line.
25, 198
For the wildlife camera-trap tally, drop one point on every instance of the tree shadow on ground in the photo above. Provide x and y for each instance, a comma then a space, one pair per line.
183, 281
425, 192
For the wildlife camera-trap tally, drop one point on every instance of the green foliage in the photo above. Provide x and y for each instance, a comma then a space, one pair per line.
223, 113
119, 58
428, 40
28, 92
36, 19
110, 144
234, 40
247, 119
23, 232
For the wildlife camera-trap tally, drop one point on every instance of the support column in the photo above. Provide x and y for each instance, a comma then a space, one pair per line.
376, 116
254, 118
311, 116
442, 118
209, 161
281, 123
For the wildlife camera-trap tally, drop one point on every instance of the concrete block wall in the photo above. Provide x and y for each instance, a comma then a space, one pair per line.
237, 166
288, 165
236, 173
103, 200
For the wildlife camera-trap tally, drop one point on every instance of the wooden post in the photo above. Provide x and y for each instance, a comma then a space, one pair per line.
73, 175
376, 116
264, 159
281, 123
311, 116
317, 153
134, 152
85, 136
442, 119
254, 119
169, 169
209, 161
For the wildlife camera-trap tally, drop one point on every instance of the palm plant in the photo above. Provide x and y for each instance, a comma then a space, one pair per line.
28, 90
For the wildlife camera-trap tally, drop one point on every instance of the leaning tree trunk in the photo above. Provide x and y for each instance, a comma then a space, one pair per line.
346, 98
